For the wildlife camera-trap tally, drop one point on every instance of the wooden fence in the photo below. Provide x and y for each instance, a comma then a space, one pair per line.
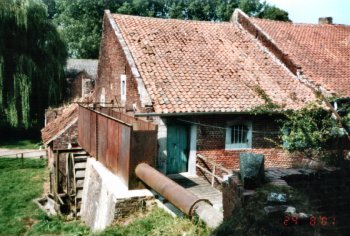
215, 171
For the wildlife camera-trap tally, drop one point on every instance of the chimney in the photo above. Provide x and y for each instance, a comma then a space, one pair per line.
325, 20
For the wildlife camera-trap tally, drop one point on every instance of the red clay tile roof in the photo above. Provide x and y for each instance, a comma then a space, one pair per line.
322, 51
57, 126
193, 66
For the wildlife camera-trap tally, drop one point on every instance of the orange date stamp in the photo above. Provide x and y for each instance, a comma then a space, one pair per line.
312, 221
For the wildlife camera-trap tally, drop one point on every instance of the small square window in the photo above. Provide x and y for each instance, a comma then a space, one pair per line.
123, 88
238, 135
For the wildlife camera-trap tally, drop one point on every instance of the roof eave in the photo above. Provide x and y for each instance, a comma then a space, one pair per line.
202, 113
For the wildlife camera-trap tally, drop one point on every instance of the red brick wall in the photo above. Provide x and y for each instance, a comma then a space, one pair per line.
69, 136
274, 157
75, 86
212, 138
265, 140
112, 64
79, 86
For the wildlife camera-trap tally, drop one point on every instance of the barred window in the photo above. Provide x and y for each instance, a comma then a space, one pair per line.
238, 135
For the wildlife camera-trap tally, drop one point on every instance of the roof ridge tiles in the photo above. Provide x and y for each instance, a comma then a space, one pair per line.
170, 19
298, 23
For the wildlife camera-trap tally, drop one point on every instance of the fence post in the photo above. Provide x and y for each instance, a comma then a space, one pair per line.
56, 174
96, 134
22, 159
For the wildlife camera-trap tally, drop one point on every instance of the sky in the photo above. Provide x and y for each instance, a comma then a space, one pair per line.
308, 11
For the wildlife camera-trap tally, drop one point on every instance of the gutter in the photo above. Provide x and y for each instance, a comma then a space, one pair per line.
200, 113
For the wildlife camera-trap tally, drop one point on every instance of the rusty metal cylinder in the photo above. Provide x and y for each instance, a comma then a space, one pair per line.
173, 192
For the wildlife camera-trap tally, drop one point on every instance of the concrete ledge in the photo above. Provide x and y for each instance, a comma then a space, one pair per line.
105, 197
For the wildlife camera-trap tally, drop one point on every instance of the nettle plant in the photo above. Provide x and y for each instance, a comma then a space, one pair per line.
311, 129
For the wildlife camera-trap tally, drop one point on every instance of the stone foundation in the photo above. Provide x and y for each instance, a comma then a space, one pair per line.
106, 199
127, 207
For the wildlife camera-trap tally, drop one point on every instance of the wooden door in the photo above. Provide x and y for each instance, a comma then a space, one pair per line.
177, 149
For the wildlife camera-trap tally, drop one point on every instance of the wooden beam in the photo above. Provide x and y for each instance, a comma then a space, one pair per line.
67, 150
213, 163
213, 176
208, 172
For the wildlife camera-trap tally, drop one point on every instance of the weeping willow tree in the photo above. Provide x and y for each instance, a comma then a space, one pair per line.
32, 58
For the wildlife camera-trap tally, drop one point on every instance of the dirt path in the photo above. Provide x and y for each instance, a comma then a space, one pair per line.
27, 153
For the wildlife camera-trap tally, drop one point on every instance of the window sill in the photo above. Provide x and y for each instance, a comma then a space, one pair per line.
230, 148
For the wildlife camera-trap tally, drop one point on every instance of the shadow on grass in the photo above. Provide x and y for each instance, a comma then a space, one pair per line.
17, 138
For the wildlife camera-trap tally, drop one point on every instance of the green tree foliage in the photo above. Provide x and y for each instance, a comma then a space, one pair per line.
344, 111
32, 57
80, 21
251, 7
51, 7
347, 120
273, 13
310, 128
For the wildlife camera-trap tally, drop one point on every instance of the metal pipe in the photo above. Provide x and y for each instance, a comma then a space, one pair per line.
174, 193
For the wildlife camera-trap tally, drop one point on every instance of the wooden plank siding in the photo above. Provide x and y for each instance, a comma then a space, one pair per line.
118, 141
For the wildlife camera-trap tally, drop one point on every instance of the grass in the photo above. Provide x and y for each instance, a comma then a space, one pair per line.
57, 226
19, 185
20, 143
158, 222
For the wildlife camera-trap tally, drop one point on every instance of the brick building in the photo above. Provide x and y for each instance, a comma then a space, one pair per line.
200, 82
81, 76
60, 129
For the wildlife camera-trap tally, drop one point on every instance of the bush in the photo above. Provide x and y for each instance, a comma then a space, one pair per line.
313, 132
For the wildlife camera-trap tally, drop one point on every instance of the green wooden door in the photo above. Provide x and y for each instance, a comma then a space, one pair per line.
177, 147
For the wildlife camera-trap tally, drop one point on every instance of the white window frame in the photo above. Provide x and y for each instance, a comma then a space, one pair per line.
103, 97
236, 146
123, 88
